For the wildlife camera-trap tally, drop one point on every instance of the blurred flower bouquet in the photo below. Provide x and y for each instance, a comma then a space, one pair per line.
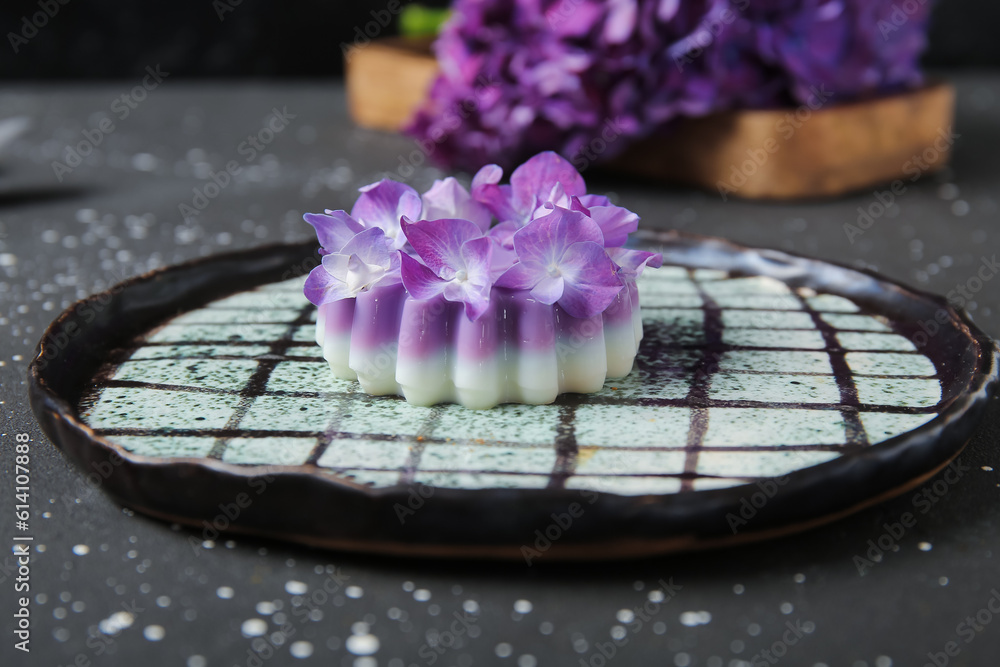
593, 79
556, 74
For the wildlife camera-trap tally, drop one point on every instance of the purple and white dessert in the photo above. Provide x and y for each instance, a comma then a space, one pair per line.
510, 293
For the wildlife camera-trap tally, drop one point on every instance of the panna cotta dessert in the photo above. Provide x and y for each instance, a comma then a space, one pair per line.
508, 293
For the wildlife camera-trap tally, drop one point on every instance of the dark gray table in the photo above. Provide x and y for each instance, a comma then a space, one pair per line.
117, 214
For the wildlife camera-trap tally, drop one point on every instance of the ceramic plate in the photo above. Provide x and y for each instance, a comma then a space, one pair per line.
771, 392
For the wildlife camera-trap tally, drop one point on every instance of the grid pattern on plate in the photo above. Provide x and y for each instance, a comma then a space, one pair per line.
738, 378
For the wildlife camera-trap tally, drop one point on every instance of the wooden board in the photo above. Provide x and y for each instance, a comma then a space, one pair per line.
387, 79
758, 154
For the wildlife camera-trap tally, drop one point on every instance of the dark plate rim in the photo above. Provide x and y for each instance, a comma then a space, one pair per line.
501, 523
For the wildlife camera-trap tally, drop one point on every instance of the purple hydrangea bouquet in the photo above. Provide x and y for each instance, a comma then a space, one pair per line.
587, 77
509, 293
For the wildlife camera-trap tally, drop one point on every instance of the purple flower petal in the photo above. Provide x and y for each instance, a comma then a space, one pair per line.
382, 205
502, 259
503, 233
475, 297
363, 262
496, 198
549, 290
476, 256
523, 275
632, 262
321, 287
439, 242
667, 9
533, 182
372, 246
334, 229
620, 22
576, 205
420, 281
488, 175
616, 223
591, 279
448, 199
545, 239
594, 200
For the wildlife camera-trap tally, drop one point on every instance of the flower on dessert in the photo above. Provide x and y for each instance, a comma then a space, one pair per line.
615, 222
545, 181
456, 263
380, 205
586, 77
448, 199
365, 261
561, 259
541, 232
631, 263
334, 229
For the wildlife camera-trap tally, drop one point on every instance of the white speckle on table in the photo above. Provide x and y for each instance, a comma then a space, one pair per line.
145, 162
295, 587
694, 618
301, 649
115, 623
253, 627
363, 643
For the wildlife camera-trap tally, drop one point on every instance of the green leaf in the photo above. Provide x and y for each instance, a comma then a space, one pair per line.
419, 21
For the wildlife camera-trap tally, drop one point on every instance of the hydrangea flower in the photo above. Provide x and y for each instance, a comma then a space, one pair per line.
541, 232
456, 265
448, 199
364, 262
561, 259
334, 229
545, 181
545, 178
586, 77
380, 205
